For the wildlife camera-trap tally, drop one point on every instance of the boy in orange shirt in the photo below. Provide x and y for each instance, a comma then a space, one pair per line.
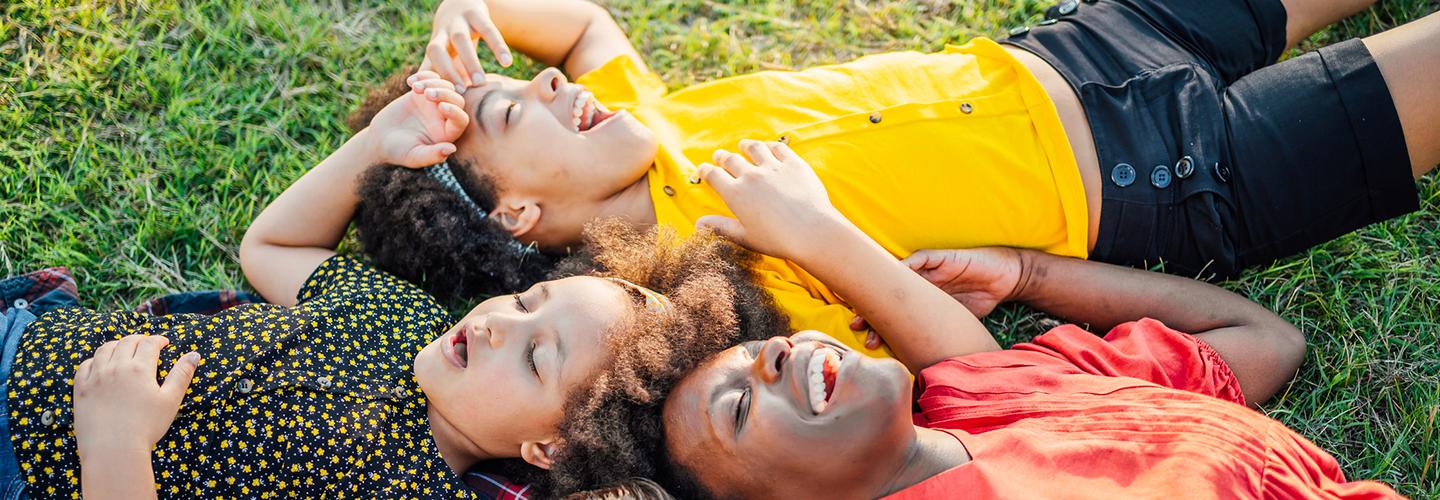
1146, 412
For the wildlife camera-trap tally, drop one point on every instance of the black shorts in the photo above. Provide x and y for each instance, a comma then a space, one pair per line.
1212, 158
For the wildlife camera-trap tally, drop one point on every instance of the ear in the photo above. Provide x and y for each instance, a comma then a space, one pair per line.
539, 453
516, 216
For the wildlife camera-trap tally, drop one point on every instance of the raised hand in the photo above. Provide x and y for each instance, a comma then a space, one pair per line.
419, 128
451, 51
780, 206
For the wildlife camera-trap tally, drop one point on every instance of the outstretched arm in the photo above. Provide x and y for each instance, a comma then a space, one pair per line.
782, 210
575, 35
302, 227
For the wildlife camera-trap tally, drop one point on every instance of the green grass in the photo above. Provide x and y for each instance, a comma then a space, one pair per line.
138, 138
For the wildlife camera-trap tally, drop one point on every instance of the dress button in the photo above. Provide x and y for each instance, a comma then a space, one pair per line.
669, 191
325, 382
48, 417
1185, 167
1122, 175
1019, 30
1160, 177
398, 393
21, 304
246, 385
875, 117
784, 139
1222, 172
966, 108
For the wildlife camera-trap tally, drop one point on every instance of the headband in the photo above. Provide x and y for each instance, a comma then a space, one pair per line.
654, 301
441, 172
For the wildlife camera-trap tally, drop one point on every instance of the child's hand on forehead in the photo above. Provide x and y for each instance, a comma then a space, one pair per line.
419, 129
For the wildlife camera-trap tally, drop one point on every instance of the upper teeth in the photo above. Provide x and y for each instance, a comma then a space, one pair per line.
583, 108
815, 374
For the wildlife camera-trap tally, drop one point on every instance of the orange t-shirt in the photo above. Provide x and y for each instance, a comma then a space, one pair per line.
1146, 412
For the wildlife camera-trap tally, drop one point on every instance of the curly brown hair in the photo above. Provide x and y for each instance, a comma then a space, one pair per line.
612, 428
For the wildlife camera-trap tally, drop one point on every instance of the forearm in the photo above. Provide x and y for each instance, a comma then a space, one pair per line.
120, 474
921, 324
1262, 349
574, 35
302, 227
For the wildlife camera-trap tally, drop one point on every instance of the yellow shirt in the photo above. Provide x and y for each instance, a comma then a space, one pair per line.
955, 149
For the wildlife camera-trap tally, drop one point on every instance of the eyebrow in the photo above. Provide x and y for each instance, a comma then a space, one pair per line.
480, 109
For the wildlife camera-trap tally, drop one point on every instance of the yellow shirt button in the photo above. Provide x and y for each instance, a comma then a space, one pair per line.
669, 191
966, 108
784, 139
875, 117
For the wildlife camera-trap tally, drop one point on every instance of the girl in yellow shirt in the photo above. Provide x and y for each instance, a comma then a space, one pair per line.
1059, 139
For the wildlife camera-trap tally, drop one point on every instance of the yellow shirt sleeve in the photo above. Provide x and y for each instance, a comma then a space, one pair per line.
621, 83
809, 313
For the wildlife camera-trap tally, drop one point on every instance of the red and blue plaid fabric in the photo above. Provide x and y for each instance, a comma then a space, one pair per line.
46, 288
496, 487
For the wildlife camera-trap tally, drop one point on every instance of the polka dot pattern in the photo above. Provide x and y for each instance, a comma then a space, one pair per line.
318, 400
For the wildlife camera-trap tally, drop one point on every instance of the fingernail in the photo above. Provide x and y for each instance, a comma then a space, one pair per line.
193, 357
477, 78
505, 59
431, 93
410, 80
460, 88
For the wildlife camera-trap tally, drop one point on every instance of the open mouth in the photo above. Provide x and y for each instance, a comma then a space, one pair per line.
824, 366
459, 347
588, 113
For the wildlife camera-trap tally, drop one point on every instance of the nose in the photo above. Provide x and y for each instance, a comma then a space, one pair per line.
546, 84
769, 363
499, 329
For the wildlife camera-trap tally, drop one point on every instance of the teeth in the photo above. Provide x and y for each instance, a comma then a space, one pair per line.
816, 377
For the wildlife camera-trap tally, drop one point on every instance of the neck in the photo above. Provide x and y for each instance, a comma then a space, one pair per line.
459, 452
929, 454
633, 204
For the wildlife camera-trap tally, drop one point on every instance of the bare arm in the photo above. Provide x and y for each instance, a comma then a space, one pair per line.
1261, 348
575, 35
783, 210
302, 227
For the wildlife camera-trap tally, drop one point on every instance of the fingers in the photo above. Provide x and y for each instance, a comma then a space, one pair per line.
456, 119
858, 324
723, 226
127, 347
430, 154
464, 49
758, 152
720, 179
181, 373
921, 260
781, 151
441, 63
149, 348
480, 22
873, 341
82, 374
105, 351
731, 162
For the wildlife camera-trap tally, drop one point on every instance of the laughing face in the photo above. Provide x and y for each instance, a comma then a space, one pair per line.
504, 371
550, 147
805, 408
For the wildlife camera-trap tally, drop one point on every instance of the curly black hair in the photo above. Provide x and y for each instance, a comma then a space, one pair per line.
414, 227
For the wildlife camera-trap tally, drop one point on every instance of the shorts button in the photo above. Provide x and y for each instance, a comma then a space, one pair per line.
1019, 30
1184, 167
669, 191
246, 385
1091, 1
1122, 175
1160, 177
1061, 9
1047, 22
48, 417
21, 303
1222, 172
875, 117
966, 108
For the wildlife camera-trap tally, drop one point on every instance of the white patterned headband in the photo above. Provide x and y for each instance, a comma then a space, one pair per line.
441, 172
654, 301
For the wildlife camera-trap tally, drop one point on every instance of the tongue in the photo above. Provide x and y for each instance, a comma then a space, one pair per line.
830, 369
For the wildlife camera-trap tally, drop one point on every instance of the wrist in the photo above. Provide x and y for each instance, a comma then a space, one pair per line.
824, 235
1027, 286
111, 450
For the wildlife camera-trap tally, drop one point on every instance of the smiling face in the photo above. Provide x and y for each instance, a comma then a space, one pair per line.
502, 374
548, 144
805, 408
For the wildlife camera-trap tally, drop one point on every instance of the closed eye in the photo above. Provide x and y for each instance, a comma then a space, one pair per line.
530, 360
508, 110
742, 409
520, 306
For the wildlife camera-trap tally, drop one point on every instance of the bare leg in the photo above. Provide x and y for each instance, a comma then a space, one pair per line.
1409, 59
1305, 17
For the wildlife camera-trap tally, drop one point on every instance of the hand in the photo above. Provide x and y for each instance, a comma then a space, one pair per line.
780, 204
118, 404
451, 51
419, 128
980, 278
